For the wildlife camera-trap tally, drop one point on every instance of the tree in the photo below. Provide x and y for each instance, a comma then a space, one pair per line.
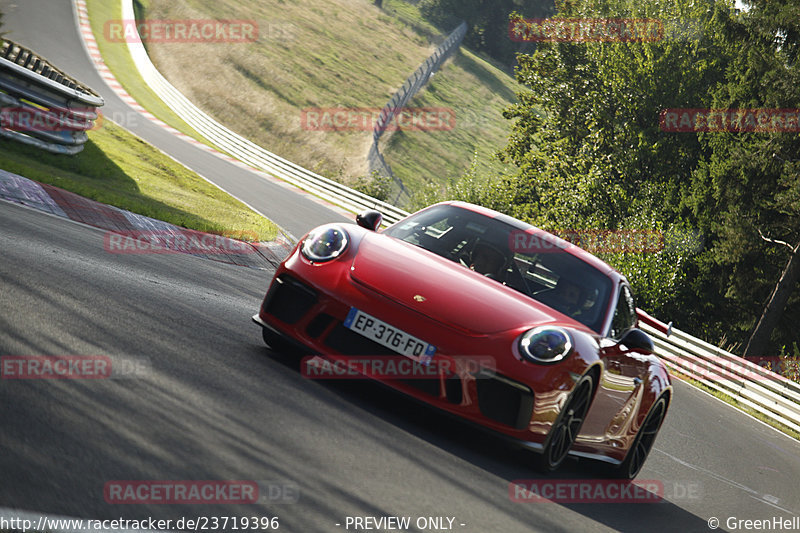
591, 154
748, 191
487, 21
759, 340
587, 138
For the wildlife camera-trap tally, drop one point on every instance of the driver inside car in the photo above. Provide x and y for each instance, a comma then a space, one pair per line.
567, 297
486, 259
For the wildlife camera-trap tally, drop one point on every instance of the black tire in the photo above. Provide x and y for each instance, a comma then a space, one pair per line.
643, 443
567, 426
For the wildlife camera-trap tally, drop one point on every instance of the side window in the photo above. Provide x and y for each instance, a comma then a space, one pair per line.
624, 314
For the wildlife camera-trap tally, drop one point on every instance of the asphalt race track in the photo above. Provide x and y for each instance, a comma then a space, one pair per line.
212, 403
208, 401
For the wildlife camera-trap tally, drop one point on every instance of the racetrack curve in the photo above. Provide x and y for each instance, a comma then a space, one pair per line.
215, 404
48, 27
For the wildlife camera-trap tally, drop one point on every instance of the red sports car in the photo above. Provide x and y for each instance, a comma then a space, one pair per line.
485, 317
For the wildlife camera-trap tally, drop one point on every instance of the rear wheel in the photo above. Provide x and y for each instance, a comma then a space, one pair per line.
565, 430
643, 442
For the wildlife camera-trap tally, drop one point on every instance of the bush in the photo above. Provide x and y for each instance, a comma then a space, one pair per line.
377, 185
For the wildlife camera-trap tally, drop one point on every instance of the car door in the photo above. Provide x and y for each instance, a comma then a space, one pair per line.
619, 390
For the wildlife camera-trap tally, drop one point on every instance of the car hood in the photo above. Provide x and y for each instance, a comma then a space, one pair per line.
444, 290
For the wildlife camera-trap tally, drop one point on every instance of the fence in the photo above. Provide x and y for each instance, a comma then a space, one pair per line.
770, 394
399, 100
42, 106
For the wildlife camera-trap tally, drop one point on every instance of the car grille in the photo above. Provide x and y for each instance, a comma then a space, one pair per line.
430, 386
453, 390
504, 400
317, 325
288, 299
499, 398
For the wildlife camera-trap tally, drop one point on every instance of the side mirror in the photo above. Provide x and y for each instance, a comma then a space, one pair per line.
638, 340
369, 219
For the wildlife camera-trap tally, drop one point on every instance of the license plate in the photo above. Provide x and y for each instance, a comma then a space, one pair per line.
389, 336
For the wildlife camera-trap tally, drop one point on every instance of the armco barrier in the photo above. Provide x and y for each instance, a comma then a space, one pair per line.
245, 150
42, 106
766, 392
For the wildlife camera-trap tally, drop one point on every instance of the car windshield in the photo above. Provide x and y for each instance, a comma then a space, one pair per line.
511, 255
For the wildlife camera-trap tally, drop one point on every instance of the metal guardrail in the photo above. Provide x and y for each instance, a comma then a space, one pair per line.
398, 101
41, 105
247, 151
772, 395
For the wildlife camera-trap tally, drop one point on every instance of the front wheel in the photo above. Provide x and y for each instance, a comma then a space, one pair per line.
643, 442
565, 430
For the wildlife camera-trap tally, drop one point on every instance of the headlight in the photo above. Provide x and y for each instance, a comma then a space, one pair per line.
325, 243
545, 344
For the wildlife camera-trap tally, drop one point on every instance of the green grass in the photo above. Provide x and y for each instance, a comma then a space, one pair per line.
477, 92
119, 61
122, 170
260, 89
408, 14
732, 401
477, 89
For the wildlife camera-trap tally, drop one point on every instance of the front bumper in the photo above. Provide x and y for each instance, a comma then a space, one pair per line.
490, 397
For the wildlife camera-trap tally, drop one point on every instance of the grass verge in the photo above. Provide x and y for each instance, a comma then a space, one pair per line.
118, 59
120, 169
